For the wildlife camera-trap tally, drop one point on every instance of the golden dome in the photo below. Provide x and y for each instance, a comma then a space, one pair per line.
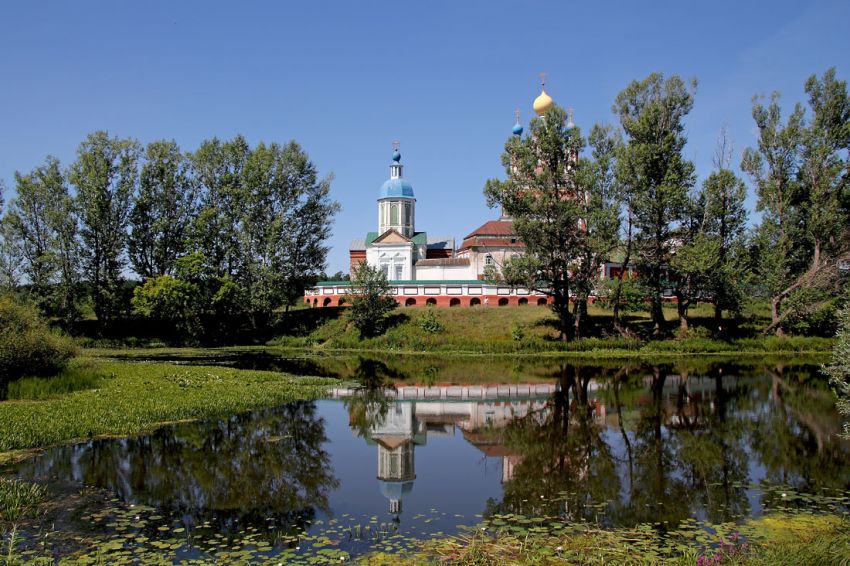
543, 103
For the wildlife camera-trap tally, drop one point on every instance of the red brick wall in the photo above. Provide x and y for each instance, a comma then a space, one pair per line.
355, 258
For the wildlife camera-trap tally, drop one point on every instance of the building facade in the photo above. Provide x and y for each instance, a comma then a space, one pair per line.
426, 270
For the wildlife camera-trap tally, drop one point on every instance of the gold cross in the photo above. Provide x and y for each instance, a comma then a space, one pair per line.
516, 113
396, 144
543, 79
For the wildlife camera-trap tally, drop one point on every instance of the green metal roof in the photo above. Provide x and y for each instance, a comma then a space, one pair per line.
419, 238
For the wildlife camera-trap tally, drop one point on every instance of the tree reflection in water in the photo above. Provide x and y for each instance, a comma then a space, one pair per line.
655, 444
264, 468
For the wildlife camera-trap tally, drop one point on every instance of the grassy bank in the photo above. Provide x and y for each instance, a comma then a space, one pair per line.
123, 399
532, 330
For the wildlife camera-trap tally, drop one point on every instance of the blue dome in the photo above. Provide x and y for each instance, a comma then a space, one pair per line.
517, 130
395, 489
396, 188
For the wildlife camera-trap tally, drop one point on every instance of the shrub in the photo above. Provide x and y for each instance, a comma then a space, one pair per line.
430, 323
27, 345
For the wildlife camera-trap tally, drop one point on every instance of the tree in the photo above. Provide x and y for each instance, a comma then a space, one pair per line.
288, 217
11, 257
600, 216
652, 169
838, 369
105, 176
725, 219
541, 194
162, 211
43, 221
218, 167
371, 300
801, 172
175, 302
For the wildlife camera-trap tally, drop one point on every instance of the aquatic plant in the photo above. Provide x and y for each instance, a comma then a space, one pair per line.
138, 397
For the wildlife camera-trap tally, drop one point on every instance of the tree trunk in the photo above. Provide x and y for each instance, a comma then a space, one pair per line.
657, 315
682, 309
775, 321
718, 312
618, 326
579, 310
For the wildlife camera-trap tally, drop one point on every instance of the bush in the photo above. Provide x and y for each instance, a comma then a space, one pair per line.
430, 323
27, 345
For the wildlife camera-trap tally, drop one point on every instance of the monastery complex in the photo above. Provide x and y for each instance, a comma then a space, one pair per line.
431, 270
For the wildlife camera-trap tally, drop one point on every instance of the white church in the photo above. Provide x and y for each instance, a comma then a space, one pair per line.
426, 270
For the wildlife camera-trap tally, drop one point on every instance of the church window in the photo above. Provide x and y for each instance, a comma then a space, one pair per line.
399, 269
394, 215
407, 208
385, 269
488, 260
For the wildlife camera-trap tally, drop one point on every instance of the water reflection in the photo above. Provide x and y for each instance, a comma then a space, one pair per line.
641, 444
616, 445
269, 467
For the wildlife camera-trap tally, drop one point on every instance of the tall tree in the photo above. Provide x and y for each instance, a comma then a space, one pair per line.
286, 224
725, 219
218, 167
800, 172
105, 176
305, 228
600, 215
541, 195
33, 216
162, 211
651, 166
11, 256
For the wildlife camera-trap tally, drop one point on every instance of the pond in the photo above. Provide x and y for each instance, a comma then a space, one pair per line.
392, 458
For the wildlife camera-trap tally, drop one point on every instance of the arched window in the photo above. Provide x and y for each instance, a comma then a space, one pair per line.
503, 302
410, 302
454, 302
541, 302
474, 302
523, 301
394, 214
431, 302
326, 302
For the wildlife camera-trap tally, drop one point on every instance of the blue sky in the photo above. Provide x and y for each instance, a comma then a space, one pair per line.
344, 79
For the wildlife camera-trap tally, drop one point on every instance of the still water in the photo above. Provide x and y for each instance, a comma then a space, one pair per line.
386, 456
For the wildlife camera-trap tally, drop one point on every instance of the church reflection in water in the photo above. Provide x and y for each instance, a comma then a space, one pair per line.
396, 421
400, 420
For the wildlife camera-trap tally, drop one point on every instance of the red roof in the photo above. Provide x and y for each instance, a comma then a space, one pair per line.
494, 228
492, 242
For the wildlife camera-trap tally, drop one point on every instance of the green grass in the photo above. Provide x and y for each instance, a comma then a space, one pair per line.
133, 398
18, 498
532, 330
75, 378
